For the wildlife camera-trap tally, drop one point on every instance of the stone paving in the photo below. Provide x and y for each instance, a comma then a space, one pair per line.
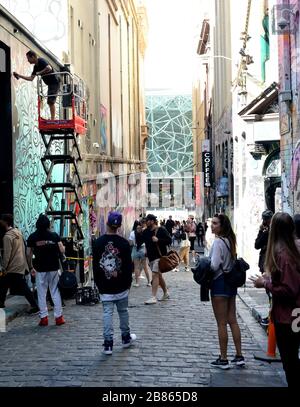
176, 341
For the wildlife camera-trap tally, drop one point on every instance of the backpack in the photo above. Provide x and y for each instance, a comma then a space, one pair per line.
236, 276
202, 272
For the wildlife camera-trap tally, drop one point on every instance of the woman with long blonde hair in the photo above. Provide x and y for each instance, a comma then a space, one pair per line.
282, 278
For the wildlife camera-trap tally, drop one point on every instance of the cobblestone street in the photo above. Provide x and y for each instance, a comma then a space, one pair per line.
176, 340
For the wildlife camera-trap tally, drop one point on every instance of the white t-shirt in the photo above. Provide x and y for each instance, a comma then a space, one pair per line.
132, 237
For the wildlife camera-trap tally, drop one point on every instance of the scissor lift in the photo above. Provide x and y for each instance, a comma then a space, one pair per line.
61, 140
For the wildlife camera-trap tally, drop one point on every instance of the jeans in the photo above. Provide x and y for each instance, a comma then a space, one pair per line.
108, 310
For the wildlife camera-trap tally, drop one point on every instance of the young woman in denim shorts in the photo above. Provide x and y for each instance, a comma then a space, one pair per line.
138, 254
223, 296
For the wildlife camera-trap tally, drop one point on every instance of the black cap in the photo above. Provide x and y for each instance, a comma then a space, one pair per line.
151, 217
267, 214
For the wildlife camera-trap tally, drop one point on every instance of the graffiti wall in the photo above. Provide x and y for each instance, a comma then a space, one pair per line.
27, 150
289, 79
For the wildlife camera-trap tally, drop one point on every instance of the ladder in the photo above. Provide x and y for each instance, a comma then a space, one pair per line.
63, 185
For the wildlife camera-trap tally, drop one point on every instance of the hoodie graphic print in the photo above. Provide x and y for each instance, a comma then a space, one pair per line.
110, 261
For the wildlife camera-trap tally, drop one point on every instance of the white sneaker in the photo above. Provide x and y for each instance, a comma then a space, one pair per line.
151, 300
149, 285
165, 297
135, 284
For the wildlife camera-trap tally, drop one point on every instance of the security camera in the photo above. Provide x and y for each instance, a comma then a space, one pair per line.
282, 23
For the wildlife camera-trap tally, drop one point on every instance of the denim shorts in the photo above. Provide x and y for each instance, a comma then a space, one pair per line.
219, 288
138, 254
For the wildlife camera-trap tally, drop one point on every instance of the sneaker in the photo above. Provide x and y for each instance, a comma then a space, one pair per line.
60, 321
186, 269
165, 297
151, 300
135, 284
108, 347
238, 361
43, 321
220, 363
128, 340
149, 285
33, 311
264, 321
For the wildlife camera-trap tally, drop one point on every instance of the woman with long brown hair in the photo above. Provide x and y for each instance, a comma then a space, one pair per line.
223, 296
282, 278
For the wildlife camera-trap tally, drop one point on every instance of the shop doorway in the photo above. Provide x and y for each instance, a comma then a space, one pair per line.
6, 158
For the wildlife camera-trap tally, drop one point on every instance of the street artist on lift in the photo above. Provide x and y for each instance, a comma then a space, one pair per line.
43, 68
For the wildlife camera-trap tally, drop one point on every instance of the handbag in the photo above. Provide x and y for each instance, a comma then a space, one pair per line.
168, 262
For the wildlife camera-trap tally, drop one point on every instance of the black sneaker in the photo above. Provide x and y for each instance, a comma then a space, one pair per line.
221, 363
108, 347
238, 361
264, 321
33, 311
127, 340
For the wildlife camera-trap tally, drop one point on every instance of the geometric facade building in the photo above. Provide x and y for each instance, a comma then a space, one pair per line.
170, 150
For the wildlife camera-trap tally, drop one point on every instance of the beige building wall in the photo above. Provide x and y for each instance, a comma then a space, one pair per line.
104, 49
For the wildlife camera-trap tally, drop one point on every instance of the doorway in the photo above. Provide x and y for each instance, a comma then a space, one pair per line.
6, 158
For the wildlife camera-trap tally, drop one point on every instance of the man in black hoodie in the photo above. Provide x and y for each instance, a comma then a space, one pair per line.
112, 266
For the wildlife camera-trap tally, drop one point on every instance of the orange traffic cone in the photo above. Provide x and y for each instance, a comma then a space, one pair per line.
270, 356
271, 340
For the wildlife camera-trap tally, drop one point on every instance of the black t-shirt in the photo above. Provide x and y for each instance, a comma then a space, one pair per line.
112, 264
45, 249
41, 64
164, 240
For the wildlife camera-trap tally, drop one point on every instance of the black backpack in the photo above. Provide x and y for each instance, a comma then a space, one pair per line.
236, 277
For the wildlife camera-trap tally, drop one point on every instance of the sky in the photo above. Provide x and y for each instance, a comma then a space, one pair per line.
174, 31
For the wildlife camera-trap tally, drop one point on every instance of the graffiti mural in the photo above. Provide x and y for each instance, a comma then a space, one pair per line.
103, 128
28, 149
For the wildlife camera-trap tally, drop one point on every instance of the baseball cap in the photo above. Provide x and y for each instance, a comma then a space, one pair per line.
267, 214
151, 217
114, 219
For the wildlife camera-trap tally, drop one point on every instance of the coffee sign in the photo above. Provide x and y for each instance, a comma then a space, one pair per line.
206, 165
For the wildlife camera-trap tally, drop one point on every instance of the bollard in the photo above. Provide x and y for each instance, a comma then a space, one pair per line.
2, 320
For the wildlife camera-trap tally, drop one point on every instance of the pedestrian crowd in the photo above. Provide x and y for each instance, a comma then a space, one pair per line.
117, 261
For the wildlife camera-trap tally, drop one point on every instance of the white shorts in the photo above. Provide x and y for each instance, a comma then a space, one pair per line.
154, 266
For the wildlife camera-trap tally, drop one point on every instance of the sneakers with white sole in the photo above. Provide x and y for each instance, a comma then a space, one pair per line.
221, 363
238, 361
128, 340
165, 297
108, 347
151, 300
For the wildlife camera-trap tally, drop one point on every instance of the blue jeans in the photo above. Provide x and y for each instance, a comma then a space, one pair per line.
108, 310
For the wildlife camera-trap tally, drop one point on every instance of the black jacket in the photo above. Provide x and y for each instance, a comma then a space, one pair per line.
261, 243
112, 264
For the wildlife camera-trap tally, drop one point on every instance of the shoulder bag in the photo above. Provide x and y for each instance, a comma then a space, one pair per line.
168, 262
